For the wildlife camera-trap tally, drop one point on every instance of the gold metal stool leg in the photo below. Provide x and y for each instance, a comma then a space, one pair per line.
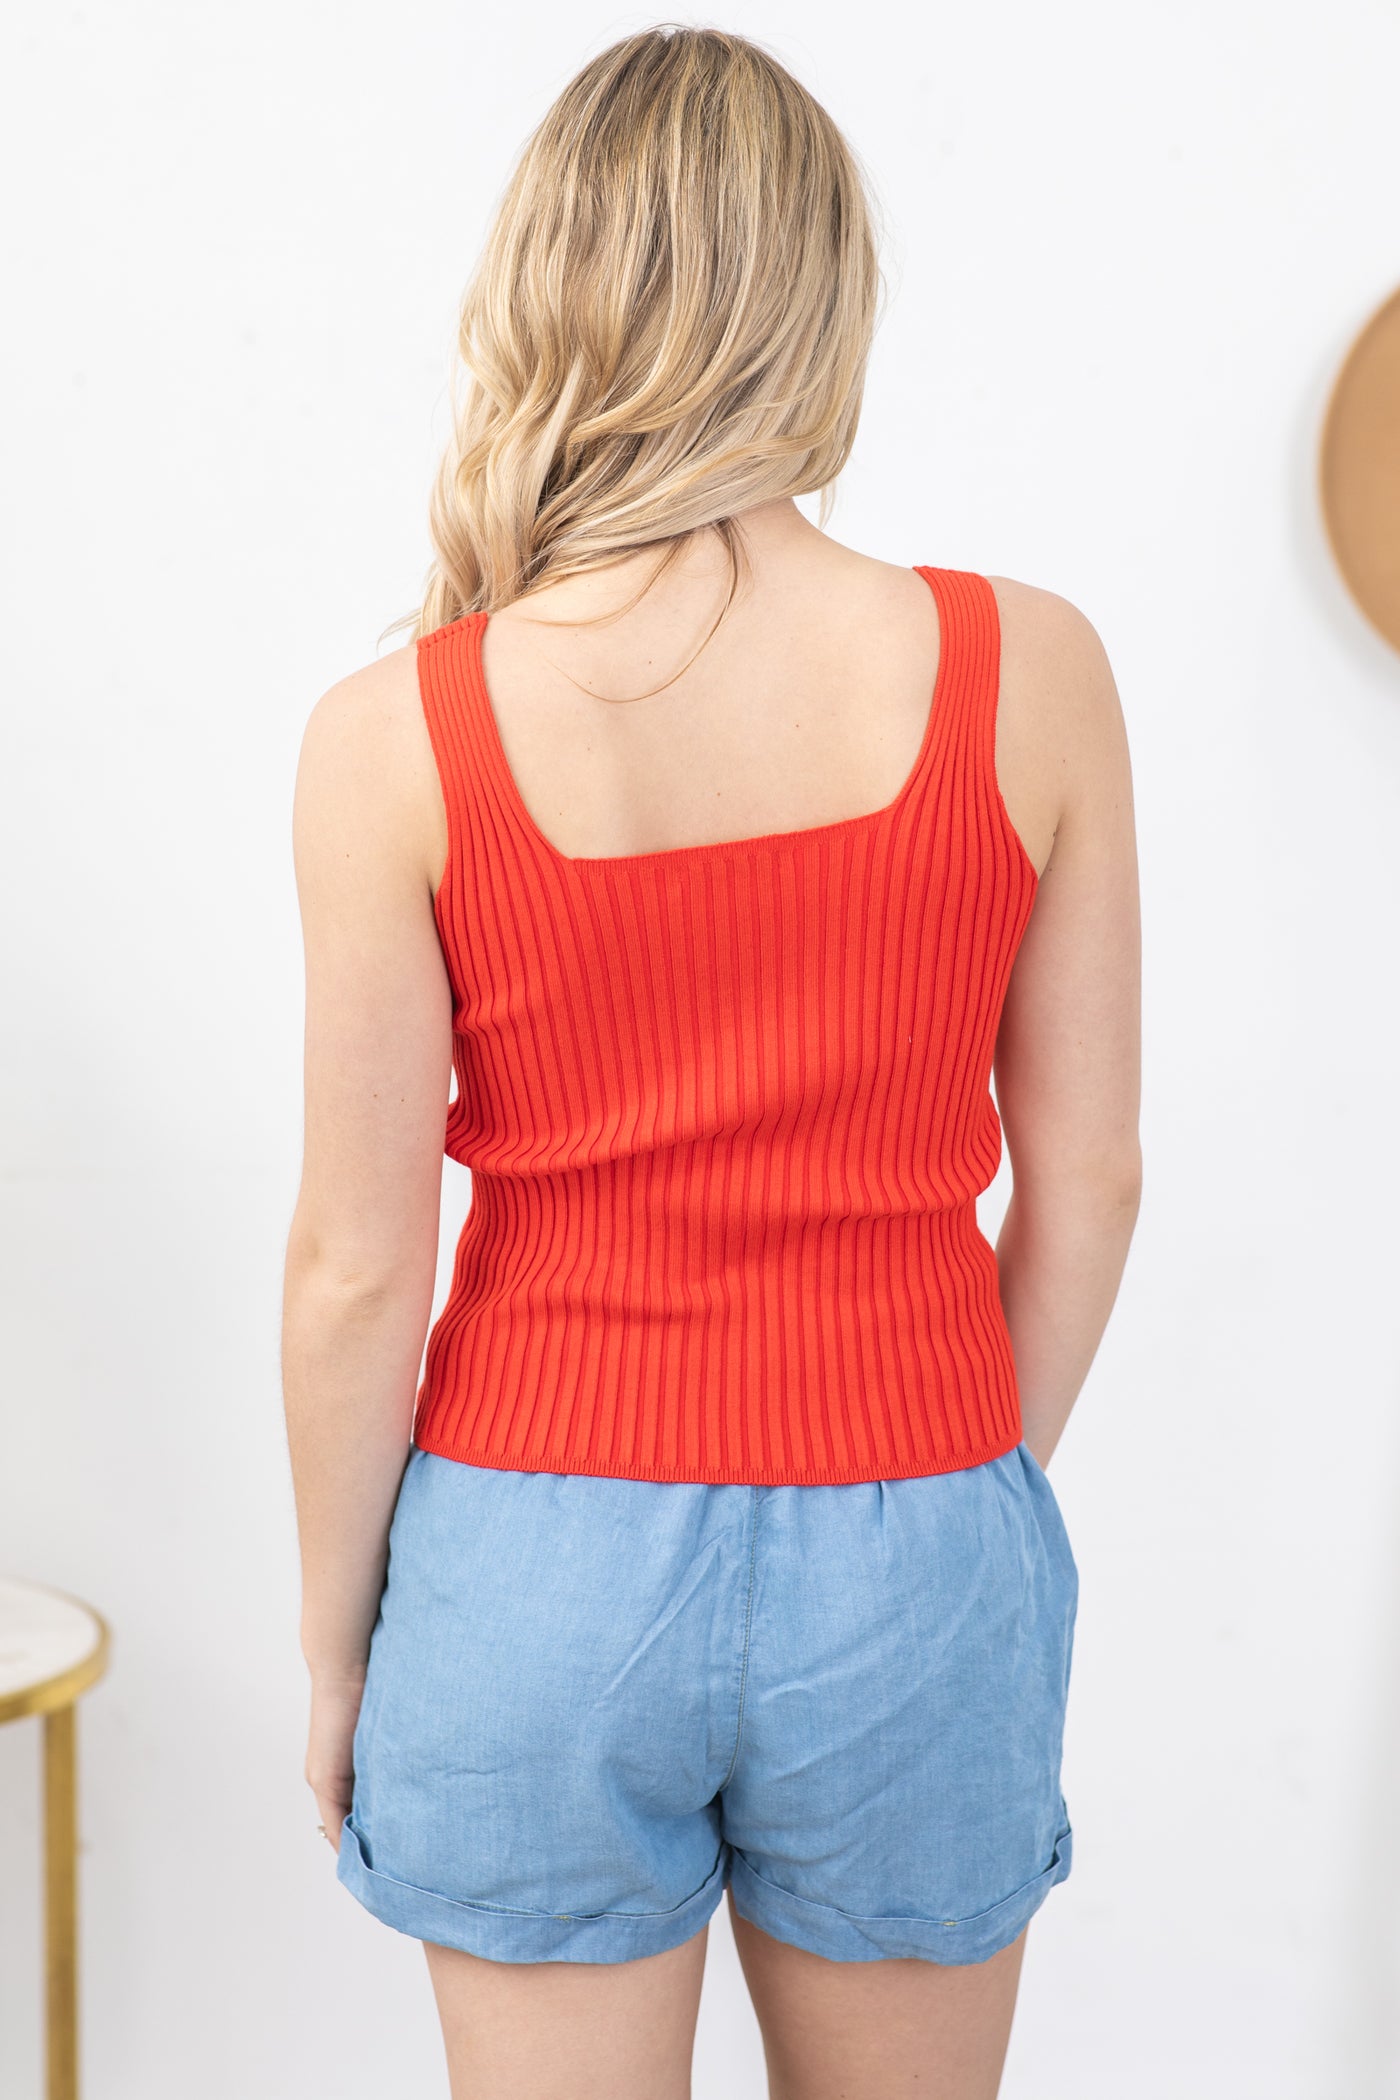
61, 1900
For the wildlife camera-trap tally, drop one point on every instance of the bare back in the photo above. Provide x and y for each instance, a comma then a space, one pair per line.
806, 706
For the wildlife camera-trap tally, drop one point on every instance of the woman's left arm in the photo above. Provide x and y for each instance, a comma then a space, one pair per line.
362, 1251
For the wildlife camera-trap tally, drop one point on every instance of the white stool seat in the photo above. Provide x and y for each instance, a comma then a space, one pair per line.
44, 1635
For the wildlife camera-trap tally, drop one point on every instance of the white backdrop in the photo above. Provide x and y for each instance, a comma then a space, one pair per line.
1127, 248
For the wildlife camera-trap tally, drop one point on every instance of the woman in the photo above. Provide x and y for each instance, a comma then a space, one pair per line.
715, 1550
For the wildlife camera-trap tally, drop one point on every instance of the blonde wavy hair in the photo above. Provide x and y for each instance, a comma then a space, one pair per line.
670, 321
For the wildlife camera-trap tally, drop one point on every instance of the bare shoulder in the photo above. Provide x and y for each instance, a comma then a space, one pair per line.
1054, 668
366, 765
1053, 659
361, 713
1062, 749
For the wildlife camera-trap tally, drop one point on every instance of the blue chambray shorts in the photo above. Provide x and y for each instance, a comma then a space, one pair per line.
591, 1703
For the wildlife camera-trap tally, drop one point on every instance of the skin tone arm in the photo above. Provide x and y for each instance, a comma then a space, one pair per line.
1068, 1057
362, 1250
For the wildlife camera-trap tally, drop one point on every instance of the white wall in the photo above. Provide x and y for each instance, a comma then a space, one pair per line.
1129, 248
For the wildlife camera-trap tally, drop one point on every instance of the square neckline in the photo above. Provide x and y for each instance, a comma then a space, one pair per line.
707, 848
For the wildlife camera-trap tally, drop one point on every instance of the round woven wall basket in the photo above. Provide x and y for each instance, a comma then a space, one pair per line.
1359, 470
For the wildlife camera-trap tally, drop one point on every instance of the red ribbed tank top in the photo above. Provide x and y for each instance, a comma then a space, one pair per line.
727, 1113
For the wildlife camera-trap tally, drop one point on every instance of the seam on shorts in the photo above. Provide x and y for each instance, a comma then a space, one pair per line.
506, 1910
748, 1629
975, 1917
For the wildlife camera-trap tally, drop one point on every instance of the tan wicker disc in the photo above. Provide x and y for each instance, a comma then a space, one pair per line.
1359, 470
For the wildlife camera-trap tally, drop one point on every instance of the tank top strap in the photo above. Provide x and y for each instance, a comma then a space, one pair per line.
970, 661
462, 741
971, 621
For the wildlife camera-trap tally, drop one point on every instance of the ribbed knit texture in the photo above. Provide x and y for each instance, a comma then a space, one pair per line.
727, 1113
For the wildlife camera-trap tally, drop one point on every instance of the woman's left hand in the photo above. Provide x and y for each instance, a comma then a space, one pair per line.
330, 1772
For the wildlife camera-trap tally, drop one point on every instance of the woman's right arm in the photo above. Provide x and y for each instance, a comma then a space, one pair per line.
1068, 1056
362, 1249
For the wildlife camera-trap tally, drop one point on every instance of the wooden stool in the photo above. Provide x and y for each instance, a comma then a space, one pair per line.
52, 1647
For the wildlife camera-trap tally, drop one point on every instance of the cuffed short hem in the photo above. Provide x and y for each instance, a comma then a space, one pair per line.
841, 1937
522, 1935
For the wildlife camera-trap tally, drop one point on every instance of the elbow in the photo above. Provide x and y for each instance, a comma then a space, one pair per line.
1122, 1183
1110, 1183
357, 1280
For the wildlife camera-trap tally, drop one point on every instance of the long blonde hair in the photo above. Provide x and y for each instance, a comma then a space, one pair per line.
669, 321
